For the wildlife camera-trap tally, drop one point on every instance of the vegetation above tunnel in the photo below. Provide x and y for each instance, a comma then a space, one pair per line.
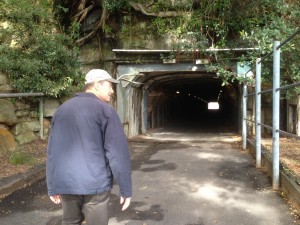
46, 37
36, 54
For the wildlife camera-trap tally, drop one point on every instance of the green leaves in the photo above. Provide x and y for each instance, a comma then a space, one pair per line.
34, 54
113, 5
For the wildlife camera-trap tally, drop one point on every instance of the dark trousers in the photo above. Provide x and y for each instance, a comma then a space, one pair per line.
91, 208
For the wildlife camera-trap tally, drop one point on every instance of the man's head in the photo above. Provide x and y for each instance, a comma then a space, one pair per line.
100, 82
96, 75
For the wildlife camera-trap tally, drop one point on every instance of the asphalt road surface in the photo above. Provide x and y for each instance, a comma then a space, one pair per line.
180, 177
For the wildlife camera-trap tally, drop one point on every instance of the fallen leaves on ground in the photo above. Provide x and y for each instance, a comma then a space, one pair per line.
37, 152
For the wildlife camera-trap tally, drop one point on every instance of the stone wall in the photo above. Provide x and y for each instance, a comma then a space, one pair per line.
19, 119
19, 124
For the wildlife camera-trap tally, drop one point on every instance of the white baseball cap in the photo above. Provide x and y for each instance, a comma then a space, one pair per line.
95, 75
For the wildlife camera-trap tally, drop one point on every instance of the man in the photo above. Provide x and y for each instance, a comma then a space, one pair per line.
87, 148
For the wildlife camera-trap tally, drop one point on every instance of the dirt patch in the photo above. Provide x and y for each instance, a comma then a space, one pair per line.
289, 150
35, 153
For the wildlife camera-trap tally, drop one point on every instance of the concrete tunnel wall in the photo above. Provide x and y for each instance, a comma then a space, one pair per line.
140, 107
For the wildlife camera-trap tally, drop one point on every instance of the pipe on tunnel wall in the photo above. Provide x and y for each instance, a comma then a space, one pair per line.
144, 105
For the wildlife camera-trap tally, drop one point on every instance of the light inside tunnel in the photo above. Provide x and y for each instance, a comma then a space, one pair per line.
213, 106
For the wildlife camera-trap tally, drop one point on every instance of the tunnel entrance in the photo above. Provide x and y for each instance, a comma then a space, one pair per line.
182, 98
156, 94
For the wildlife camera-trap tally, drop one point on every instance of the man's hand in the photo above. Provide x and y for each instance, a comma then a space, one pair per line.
55, 199
125, 202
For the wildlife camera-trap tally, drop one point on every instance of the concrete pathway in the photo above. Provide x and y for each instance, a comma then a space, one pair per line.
180, 177
188, 178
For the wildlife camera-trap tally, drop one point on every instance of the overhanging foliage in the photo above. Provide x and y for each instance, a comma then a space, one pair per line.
40, 48
197, 25
34, 53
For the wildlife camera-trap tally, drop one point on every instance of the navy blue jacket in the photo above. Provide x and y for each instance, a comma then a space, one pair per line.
87, 147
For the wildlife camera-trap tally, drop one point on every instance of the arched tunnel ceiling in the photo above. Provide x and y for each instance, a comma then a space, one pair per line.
185, 76
203, 84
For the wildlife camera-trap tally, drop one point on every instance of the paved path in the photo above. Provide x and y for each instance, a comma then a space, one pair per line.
199, 179
179, 178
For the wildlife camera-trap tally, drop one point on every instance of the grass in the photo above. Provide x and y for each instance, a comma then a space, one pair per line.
20, 158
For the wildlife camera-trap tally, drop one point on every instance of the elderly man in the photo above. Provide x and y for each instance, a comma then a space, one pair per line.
88, 148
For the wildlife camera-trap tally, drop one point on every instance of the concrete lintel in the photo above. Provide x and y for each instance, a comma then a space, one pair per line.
159, 67
151, 51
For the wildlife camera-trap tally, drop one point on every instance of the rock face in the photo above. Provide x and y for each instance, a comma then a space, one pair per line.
19, 124
26, 132
50, 106
7, 112
7, 141
26, 138
26, 127
19, 118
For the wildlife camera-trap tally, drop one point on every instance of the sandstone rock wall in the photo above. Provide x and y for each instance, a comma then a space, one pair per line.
19, 119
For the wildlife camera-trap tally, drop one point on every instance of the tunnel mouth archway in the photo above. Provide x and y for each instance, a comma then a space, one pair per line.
181, 98
149, 99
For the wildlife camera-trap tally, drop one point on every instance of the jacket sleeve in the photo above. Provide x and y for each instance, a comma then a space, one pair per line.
117, 153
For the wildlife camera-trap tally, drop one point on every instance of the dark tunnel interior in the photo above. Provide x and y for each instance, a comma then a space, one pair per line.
190, 95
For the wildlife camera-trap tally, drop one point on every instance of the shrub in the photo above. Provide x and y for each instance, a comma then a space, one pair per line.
35, 54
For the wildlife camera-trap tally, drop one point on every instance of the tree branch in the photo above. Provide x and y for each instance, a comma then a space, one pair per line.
93, 33
140, 7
